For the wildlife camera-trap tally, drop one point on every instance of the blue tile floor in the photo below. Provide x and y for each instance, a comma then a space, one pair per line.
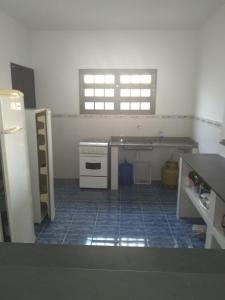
137, 216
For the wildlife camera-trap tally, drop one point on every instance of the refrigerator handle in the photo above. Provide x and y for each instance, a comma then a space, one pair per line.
11, 130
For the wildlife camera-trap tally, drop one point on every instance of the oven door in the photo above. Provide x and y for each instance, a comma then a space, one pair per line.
93, 165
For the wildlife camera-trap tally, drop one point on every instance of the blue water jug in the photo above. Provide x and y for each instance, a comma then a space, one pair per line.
125, 173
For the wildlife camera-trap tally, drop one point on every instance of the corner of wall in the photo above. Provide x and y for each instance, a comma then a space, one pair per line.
15, 49
210, 103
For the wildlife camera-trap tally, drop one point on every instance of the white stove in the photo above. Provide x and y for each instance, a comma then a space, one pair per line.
94, 163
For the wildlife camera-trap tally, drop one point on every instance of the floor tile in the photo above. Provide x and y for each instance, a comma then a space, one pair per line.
50, 241
106, 231
77, 241
135, 216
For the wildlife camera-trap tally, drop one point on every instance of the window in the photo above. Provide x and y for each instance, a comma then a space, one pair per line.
117, 91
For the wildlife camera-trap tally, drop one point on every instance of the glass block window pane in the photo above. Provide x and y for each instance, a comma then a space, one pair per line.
146, 79
99, 79
145, 106
89, 92
99, 92
109, 92
135, 79
135, 93
99, 105
135, 105
109, 105
89, 105
109, 79
145, 93
125, 105
125, 93
89, 79
125, 79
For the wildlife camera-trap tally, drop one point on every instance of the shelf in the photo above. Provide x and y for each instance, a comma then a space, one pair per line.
43, 184
42, 132
44, 171
41, 119
40, 125
196, 202
44, 198
219, 236
42, 159
43, 165
212, 214
42, 148
44, 210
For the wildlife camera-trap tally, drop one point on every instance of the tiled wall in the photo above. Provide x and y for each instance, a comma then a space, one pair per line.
208, 134
68, 130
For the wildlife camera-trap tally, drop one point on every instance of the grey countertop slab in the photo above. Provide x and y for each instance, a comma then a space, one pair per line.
144, 141
114, 258
211, 167
84, 284
84, 272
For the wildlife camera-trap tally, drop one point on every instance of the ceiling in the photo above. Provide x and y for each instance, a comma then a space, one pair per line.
114, 14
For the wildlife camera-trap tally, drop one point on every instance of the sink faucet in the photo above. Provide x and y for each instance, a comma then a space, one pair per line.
138, 127
121, 139
161, 134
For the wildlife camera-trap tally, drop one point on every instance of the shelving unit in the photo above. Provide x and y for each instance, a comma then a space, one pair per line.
219, 237
42, 143
193, 196
189, 206
41, 164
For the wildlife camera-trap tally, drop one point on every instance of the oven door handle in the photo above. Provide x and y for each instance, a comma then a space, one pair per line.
93, 165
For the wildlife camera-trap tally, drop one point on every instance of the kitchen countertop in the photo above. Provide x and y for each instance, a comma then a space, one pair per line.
211, 168
94, 142
123, 141
82, 272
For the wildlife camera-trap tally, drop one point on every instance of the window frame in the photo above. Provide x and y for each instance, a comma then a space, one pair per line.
117, 86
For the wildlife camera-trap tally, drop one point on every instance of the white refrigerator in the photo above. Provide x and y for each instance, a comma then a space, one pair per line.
16, 224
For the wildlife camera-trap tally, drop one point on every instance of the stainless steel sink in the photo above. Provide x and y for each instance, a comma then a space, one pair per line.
151, 142
136, 140
133, 142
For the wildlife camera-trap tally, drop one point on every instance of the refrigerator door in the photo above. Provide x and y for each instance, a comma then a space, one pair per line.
1, 232
50, 165
16, 169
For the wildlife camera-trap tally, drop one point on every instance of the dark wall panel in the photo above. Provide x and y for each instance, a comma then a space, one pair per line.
23, 80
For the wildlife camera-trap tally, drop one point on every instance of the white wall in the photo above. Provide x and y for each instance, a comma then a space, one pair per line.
15, 47
210, 102
68, 131
58, 55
